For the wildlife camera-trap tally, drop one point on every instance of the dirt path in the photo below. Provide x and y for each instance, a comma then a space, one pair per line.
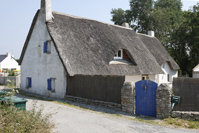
74, 120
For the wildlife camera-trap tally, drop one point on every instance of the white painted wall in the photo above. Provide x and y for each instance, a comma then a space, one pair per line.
137, 78
9, 63
196, 72
159, 78
41, 66
163, 78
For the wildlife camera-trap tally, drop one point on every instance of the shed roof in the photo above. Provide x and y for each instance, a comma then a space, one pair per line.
86, 47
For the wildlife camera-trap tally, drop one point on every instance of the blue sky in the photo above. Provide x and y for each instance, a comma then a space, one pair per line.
16, 17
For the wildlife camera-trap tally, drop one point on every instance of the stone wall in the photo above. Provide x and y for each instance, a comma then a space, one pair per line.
192, 116
128, 98
163, 101
111, 105
8, 79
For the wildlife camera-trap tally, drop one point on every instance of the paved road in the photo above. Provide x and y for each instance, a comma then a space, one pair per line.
74, 120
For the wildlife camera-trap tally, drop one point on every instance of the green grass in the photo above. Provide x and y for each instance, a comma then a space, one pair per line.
40, 98
176, 122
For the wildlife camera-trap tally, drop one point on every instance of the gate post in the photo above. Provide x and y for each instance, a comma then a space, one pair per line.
128, 97
163, 101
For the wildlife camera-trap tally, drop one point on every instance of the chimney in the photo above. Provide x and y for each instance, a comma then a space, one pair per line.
126, 25
151, 33
46, 7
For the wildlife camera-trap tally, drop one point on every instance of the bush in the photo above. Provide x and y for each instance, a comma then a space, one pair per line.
13, 120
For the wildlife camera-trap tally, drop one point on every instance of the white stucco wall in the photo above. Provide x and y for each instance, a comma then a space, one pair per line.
42, 66
163, 78
159, 78
196, 72
9, 63
137, 78
196, 69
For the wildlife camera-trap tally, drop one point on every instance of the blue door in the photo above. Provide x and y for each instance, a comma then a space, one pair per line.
145, 101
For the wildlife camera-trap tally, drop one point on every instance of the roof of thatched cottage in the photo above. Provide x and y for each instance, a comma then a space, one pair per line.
86, 47
158, 51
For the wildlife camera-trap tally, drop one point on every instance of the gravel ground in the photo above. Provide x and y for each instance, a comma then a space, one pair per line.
75, 120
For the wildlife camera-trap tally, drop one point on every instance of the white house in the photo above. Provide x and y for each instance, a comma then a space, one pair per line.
69, 55
7, 62
195, 73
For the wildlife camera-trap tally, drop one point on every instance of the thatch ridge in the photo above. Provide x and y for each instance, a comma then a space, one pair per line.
158, 51
87, 46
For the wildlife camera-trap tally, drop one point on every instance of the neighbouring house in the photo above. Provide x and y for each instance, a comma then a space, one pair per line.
8, 62
69, 55
195, 73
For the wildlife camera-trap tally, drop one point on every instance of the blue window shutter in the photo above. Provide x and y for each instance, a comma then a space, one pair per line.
29, 82
45, 47
49, 84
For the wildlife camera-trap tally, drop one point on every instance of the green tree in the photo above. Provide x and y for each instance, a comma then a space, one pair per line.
140, 15
167, 17
118, 16
192, 19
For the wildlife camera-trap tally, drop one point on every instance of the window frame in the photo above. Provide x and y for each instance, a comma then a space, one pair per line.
47, 47
28, 82
51, 84
145, 76
119, 57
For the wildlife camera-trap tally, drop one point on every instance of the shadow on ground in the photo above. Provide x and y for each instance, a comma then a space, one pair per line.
92, 107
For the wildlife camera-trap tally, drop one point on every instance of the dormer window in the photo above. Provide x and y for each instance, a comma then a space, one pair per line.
119, 54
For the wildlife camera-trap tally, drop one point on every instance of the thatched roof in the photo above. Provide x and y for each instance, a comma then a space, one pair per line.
87, 46
158, 51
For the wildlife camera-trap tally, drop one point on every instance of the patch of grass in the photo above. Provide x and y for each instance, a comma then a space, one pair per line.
40, 98
181, 123
14, 120
143, 119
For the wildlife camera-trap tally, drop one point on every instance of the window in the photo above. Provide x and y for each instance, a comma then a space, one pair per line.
169, 78
145, 77
47, 47
119, 54
163, 65
51, 84
28, 82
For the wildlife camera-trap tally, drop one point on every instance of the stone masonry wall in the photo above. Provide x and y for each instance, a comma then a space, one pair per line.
128, 98
163, 101
187, 115
111, 105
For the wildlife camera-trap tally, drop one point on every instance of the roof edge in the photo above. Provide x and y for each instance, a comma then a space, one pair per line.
77, 17
28, 36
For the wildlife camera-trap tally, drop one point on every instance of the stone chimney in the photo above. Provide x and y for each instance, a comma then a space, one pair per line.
46, 7
151, 33
126, 25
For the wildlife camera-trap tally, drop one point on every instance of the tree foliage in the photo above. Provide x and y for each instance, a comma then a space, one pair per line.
177, 30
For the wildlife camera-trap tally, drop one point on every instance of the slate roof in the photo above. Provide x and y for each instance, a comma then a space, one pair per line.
2, 57
86, 47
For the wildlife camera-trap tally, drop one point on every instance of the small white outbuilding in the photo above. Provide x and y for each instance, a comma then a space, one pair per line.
7, 62
196, 72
